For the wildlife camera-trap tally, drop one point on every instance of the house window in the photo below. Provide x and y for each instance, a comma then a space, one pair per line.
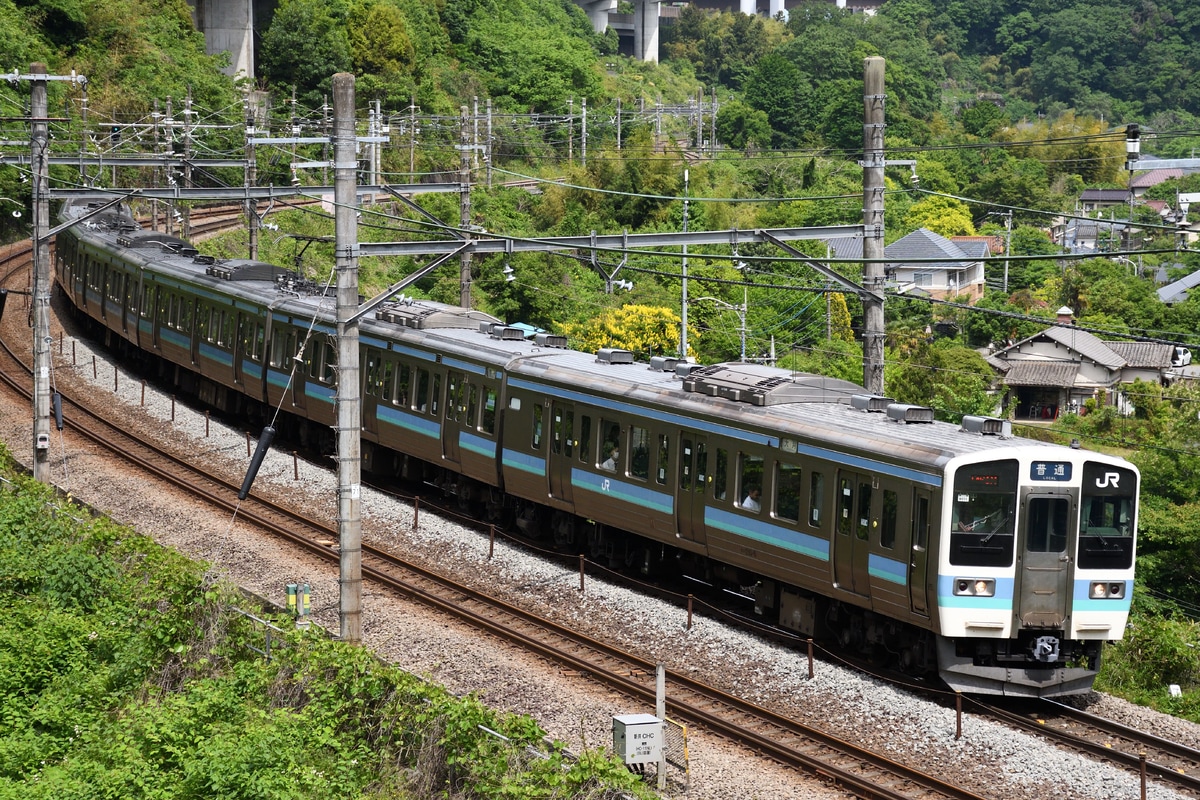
923, 278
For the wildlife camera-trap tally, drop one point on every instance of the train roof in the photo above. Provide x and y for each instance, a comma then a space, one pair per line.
776, 404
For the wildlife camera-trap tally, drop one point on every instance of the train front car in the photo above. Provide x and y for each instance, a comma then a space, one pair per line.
1035, 568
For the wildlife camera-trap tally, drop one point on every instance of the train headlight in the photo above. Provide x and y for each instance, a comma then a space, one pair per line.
1101, 590
975, 587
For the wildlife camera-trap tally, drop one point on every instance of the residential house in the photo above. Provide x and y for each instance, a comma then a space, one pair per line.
927, 263
1093, 200
1144, 180
1059, 369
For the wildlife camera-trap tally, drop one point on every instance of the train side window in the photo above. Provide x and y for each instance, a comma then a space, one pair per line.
328, 363
226, 329
639, 447
891, 510
185, 316
787, 492
664, 457
845, 506
279, 352
569, 433
720, 477
371, 378
472, 420
202, 324
701, 466
920, 539
536, 444
435, 397
750, 475
260, 338
453, 396
863, 530
585, 438
400, 397
488, 424
147, 301
610, 449
389, 374
816, 498
422, 398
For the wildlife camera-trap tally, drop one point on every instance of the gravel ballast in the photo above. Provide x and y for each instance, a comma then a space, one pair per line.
999, 762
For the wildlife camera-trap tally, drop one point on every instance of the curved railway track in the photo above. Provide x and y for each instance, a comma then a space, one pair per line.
866, 774
1166, 761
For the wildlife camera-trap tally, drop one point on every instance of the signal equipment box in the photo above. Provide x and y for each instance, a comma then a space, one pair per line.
638, 738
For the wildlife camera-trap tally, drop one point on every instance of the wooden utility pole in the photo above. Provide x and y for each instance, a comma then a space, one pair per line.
873, 271
349, 404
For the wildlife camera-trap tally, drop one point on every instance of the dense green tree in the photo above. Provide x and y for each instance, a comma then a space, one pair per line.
739, 126
306, 44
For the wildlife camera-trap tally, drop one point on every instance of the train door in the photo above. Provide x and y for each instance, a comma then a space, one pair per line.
373, 388
132, 304
694, 478
456, 408
856, 516
1045, 566
918, 563
562, 449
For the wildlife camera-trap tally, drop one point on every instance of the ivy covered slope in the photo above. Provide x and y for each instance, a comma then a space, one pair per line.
124, 673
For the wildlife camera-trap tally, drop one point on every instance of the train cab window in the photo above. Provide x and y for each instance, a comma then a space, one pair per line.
536, 443
816, 498
610, 448
400, 394
585, 438
639, 450
664, 456
891, 510
488, 422
750, 475
787, 492
1106, 509
982, 532
721, 473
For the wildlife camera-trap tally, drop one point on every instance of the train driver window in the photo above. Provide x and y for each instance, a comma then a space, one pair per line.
982, 530
720, 476
750, 475
787, 492
610, 445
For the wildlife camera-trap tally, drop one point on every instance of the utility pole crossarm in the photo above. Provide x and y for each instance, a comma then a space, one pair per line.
832, 275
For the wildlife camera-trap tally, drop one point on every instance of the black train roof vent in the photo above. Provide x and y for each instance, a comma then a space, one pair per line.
987, 426
761, 385
873, 403
614, 355
550, 340
902, 412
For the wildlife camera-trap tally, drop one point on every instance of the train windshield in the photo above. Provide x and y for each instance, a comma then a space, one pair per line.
1106, 513
982, 517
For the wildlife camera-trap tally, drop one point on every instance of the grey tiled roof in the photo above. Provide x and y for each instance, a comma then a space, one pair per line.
1105, 195
1059, 374
1144, 354
924, 243
1085, 344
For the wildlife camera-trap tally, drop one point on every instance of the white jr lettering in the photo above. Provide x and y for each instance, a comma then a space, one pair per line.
1109, 479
